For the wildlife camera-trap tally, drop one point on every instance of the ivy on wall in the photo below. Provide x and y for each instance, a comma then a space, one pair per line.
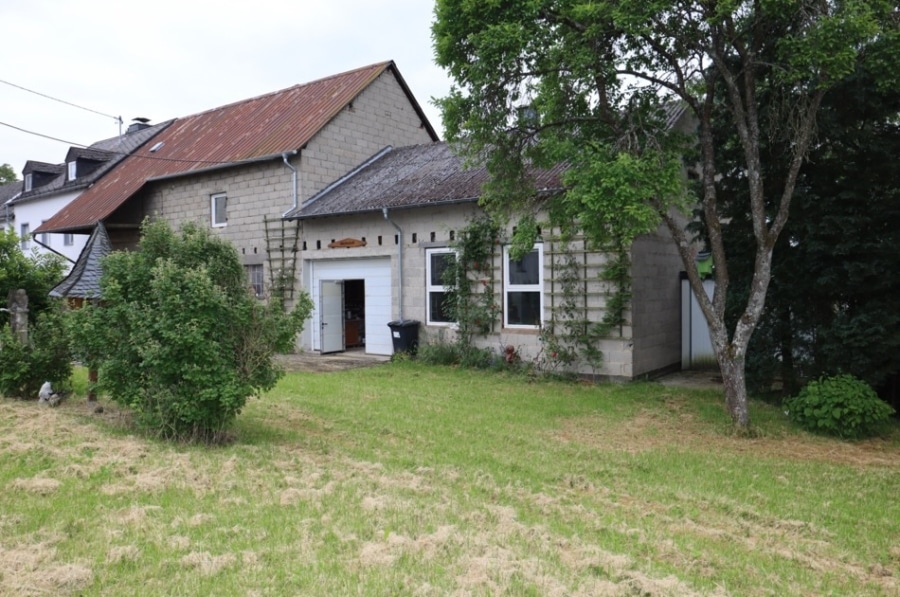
572, 333
469, 281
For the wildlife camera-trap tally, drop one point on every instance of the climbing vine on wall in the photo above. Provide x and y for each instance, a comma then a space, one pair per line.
469, 281
571, 334
571, 337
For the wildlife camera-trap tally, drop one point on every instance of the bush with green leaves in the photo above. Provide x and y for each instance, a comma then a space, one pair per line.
178, 339
24, 367
841, 405
36, 273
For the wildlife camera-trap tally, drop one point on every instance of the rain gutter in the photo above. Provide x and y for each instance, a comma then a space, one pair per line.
284, 157
384, 212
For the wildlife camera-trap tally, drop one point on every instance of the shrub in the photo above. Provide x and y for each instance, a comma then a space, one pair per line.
841, 405
25, 367
36, 273
178, 339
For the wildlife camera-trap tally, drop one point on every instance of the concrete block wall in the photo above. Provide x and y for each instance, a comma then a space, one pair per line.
381, 115
425, 228
656, 303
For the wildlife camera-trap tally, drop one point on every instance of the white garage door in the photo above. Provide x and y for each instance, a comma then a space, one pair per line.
377, 276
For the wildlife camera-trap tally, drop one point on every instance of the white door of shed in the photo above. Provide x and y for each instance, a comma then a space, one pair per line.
376, 274
331, 306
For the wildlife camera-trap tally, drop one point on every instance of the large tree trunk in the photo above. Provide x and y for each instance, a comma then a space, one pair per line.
735, 383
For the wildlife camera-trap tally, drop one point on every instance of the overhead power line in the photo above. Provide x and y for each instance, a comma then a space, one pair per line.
56, 99
122, 153
12, 126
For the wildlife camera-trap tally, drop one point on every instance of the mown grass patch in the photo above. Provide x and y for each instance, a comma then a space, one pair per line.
407, 479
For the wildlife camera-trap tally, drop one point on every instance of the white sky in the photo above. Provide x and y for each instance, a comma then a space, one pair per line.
168, 58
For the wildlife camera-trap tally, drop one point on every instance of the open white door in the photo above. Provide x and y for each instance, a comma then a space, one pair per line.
331, 310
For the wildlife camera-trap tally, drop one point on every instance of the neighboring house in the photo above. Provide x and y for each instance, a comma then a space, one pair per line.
8, 192
48, 188
238, 168
374, 241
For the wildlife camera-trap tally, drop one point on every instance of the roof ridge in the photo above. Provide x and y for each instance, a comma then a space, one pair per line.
381, 65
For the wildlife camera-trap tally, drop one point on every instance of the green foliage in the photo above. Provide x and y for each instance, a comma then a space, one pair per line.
832, 303
599, 86
36, 273
7, 174
841, 405
569, 337
25, 367
469, 281
177, 338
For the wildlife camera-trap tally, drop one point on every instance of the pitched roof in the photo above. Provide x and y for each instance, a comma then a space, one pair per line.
10, 190
413, 176
108, 151
254, 129
84, 279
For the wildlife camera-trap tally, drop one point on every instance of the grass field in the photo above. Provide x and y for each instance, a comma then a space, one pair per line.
414, 480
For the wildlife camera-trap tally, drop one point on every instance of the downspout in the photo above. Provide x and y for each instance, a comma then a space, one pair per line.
284, 156
384, 211
52, 250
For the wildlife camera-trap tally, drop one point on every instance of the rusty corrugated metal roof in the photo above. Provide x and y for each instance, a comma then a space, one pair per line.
413, 176
243, 131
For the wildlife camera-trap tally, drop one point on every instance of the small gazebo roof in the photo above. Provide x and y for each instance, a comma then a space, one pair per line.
84, 279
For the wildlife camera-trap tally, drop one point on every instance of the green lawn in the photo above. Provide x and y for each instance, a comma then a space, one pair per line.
408, 479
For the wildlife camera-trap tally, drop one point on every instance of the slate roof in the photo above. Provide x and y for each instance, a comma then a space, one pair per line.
407, 177
109, 151
84, 279
8, 192
255, 129
42, 167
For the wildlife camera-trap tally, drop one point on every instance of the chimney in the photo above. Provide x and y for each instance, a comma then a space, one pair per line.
138, 124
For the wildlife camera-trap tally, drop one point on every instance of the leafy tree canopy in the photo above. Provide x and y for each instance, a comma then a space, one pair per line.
598, 84
7, 174
832, 304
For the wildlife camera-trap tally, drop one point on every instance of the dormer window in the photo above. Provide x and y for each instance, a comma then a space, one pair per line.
28, 182
73, 170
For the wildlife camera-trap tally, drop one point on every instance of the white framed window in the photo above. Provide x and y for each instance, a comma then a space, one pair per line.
29, 180
25, 236
436, 263
255, 280
73, 170
45, 236
523, 289
68, 239
218, 206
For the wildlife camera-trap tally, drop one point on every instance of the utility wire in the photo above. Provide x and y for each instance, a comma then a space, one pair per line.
56, 99
120, 153
43, 135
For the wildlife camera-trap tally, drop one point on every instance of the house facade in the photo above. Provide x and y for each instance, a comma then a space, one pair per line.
238, 168
374, 244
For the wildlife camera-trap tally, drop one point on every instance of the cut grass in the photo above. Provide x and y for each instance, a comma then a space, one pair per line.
407, 479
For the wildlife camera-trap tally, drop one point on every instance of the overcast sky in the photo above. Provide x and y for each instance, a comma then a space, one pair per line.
169, 58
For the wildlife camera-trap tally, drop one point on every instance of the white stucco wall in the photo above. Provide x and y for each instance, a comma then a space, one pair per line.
36, 211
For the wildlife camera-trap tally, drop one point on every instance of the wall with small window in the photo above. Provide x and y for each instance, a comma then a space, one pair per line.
37, 211
233, 202
528, 290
